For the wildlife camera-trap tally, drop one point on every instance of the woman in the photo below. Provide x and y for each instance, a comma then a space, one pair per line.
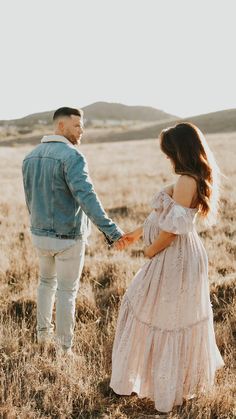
164, 346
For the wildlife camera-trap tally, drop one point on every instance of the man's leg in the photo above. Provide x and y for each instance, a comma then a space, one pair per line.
69, 265
45, 294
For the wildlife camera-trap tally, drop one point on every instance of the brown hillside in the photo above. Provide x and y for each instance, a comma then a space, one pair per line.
215, 122
97, 111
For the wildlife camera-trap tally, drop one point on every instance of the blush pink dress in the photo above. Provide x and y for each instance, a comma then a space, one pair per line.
164, 346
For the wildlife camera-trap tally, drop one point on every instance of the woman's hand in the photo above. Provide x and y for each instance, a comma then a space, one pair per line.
147, 251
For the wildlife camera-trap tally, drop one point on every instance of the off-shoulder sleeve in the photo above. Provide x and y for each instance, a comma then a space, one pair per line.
175, 218
156, 201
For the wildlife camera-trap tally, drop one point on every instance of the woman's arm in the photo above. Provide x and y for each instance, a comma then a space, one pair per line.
136, 234
163, 240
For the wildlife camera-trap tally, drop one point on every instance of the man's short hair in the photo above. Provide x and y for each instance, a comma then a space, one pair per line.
61, 112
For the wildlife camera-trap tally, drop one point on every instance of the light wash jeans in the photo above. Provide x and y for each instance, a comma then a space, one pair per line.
59, 276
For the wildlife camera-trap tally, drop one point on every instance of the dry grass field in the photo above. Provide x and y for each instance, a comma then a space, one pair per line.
36, 384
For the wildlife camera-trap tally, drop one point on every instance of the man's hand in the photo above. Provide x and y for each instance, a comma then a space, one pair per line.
122, 243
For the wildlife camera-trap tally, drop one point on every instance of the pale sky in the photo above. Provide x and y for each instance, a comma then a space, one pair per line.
175, 55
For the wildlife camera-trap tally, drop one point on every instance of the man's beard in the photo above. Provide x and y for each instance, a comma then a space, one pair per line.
75, 141
78, 140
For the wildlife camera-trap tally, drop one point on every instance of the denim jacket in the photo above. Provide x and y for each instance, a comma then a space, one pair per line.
59, 192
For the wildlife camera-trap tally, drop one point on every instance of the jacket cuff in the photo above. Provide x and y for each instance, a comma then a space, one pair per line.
116, 237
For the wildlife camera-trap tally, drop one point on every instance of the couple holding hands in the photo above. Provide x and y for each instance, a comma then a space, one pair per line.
164, 346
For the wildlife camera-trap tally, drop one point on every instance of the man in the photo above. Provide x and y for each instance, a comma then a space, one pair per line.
61, 201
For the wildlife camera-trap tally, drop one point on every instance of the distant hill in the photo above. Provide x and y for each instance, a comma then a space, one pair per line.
117, 111
30, 120
96, 111
221, 121
215, 122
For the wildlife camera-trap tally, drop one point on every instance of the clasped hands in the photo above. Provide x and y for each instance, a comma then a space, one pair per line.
128, 239
125, 241
163, 240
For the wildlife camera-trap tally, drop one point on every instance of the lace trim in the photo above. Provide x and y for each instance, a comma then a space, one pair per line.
149, 325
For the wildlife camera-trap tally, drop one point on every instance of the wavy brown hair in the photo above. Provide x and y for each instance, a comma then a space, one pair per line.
186, 146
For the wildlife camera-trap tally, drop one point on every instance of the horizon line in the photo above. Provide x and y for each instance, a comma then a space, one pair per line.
120, 103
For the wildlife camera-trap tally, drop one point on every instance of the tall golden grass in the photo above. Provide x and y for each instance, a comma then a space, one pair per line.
36, 383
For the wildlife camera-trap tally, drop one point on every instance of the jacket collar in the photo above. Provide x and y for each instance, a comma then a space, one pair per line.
56, 138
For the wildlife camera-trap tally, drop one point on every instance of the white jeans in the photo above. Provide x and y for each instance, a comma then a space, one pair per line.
59, 276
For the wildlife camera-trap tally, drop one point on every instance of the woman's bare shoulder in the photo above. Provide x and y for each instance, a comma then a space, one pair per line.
185, 190
187, 181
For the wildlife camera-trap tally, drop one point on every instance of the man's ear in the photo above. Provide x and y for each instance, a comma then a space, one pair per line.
61, 125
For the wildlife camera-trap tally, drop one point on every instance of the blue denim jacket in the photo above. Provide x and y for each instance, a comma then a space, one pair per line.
59, 192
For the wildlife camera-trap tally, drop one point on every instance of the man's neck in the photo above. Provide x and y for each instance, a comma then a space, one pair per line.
62, 135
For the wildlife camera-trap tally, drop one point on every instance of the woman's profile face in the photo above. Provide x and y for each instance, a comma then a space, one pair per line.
167, 157
170, 161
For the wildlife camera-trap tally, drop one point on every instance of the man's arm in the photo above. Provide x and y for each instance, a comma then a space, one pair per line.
81, 187
24, 186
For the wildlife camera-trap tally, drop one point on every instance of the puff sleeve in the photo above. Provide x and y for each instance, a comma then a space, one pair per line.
172, 217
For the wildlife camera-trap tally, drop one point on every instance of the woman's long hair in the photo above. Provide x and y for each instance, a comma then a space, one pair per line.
186, 146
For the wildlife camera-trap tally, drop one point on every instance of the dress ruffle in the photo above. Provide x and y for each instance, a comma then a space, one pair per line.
173, 218
166, 366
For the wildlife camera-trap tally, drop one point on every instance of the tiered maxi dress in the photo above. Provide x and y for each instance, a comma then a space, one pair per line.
164, 346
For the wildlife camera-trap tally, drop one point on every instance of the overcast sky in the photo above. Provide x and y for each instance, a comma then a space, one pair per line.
175, 55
